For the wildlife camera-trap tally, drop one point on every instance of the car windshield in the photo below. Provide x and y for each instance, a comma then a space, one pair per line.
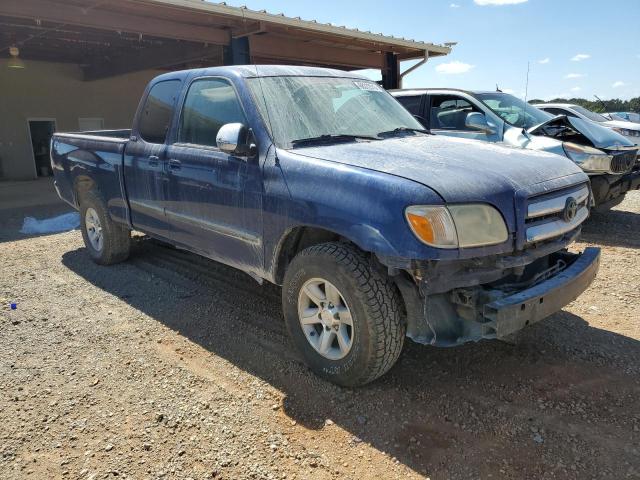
627, 116
514, 111
594, 117
299, 108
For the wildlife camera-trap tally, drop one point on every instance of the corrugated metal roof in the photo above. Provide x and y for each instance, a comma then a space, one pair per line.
310, 25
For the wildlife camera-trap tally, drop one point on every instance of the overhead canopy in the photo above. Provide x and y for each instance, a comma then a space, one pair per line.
119, 36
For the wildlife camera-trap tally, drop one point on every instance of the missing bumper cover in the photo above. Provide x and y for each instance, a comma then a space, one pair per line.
484, 312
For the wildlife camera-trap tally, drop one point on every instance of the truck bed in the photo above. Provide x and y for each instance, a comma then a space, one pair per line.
80, 160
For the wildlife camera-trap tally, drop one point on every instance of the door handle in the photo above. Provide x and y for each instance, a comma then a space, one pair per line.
154, 160
175, 164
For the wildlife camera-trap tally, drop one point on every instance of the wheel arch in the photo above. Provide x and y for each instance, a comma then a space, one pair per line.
298, 238
294, 241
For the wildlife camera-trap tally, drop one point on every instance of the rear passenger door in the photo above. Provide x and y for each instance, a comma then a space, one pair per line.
214, 199
145, 156
447, 116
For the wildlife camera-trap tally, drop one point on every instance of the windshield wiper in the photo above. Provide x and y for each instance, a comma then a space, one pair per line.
403, 130
331, 137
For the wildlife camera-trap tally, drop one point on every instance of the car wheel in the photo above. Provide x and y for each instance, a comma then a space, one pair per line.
343, 316
106, 241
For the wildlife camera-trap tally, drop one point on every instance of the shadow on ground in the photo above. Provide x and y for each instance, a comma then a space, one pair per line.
615, 228
444, 412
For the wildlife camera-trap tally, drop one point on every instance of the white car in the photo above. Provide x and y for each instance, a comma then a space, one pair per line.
626, 116
607, 157
625, 128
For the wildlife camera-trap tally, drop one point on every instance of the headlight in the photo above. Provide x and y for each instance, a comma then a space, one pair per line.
626, 132
464, 226
588, 158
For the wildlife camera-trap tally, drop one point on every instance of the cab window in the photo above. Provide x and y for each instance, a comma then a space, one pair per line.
411, 103
210, 104
450, 113
560, 111
157, 111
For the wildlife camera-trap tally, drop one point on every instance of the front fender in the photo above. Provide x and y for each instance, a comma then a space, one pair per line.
362, 205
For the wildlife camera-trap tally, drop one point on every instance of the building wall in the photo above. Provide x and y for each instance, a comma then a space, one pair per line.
56, 90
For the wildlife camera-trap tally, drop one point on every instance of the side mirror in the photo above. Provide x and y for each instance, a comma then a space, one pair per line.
234, 139
477, 121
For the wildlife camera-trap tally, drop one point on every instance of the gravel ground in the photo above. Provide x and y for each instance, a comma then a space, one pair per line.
172, 366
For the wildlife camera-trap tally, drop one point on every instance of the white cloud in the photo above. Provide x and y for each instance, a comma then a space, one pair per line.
544, 60
576, 89
575, 75
510, 91
454, 67
581, 56
484, 3
618, 84
454, 5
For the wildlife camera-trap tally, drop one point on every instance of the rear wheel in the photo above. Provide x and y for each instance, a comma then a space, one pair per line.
107, 242
342, 315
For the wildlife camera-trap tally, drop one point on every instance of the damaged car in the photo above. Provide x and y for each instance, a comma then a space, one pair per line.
319, 181
606, 156
624, 126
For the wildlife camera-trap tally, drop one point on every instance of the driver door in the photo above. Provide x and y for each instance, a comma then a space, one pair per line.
214, 201
447, 116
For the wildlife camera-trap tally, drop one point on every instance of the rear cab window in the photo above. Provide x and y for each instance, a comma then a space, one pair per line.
157, 112
558, 111
413, 103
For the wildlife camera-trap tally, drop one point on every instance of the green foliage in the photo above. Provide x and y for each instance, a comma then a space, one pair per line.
613, 105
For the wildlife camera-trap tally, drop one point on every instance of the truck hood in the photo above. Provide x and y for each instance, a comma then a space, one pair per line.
598, 135
459, 170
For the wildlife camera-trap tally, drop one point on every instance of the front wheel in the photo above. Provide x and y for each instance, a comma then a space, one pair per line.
343, 316
106, 241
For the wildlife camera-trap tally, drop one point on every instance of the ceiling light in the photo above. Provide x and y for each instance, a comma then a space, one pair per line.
15, 61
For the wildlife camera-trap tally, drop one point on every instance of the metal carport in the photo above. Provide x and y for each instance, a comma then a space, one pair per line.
108, 50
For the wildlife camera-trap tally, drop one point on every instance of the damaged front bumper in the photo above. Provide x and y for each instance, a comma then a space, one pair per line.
497, 309
608, 191
512, 313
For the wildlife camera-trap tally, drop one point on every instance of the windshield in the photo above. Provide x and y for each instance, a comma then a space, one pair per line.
514, 111
594, 117
298, 108
628, 116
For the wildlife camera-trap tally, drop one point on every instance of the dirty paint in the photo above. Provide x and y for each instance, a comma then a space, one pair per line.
240, 210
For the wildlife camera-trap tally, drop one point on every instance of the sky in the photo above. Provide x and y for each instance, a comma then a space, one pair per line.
575, 48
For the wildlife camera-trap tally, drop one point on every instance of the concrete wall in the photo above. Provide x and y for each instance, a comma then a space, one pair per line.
56, 90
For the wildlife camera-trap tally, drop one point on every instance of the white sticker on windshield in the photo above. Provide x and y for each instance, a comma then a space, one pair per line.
370, 86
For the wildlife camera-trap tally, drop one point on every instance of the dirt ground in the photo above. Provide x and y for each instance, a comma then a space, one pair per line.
172, 366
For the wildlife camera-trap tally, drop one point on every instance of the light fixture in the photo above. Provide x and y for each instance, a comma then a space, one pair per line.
15, 61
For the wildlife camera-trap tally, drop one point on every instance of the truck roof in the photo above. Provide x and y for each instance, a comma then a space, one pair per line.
420, 91
253, 71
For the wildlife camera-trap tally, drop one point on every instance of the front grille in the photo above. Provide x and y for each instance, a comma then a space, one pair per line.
554, 214
623, 162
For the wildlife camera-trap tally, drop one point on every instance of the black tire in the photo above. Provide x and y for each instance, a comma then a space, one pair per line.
116, 240
378, 323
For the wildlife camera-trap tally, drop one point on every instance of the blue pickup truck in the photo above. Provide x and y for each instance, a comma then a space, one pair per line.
320, 181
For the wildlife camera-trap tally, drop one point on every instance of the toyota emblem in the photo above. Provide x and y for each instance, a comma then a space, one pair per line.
570, 209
